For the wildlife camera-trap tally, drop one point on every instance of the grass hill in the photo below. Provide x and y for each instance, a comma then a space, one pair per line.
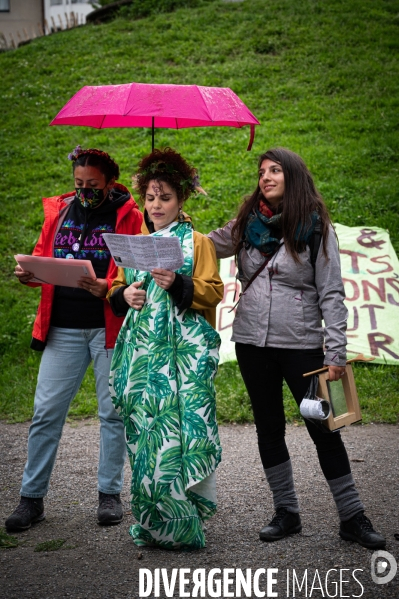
322, 77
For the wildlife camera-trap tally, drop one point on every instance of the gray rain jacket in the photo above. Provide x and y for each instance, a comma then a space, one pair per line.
286, 303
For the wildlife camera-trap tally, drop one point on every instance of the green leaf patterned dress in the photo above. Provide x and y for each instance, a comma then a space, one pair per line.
162, 384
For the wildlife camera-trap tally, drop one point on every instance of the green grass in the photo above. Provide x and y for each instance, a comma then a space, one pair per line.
52, 545
233, 404
7, 541
377, 387
322, 77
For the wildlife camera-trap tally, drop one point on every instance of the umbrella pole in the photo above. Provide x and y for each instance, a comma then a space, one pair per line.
153, 134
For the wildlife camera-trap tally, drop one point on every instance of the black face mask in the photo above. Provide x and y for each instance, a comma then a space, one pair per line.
90, 197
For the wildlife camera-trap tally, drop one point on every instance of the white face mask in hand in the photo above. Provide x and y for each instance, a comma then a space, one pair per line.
319, 409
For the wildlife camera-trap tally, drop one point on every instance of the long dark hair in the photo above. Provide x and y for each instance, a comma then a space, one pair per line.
300, 199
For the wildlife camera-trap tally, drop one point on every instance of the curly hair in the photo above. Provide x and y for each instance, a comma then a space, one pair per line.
300, 199
169, 167
96, 158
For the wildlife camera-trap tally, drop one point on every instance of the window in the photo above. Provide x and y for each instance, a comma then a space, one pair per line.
4, 5
55, 2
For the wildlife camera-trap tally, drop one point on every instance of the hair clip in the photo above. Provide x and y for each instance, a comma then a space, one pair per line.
75, 153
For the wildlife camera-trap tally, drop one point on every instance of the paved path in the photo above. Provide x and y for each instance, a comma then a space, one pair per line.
103, 563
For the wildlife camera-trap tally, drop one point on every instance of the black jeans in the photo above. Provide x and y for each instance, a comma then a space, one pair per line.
263, 370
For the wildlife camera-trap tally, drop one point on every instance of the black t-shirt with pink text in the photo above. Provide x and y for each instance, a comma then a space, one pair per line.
80, 238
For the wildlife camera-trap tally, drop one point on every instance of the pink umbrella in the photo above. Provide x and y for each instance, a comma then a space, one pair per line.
156, 105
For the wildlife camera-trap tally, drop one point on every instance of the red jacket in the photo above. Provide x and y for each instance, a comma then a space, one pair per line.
128, 222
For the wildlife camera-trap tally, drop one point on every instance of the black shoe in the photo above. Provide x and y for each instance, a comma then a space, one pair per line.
29, 510
110, 510
283, 523
360, 530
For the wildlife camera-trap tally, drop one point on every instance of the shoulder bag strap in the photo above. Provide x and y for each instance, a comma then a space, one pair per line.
251, 280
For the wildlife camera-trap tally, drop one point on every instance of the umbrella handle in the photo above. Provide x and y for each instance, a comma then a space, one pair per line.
251, 138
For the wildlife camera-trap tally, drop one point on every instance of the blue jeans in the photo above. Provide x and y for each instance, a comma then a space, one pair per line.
65, 360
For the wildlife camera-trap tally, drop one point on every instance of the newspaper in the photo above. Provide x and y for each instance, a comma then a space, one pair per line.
145, 252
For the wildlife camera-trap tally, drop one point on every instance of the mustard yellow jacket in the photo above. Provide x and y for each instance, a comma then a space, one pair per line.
208, 286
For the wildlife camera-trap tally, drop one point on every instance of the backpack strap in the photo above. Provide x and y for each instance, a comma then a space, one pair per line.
315, 241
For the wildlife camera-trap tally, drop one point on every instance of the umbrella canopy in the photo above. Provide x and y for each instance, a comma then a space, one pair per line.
156, 105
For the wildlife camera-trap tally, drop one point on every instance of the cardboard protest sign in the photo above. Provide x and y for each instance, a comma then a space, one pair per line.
370, 271
225, 311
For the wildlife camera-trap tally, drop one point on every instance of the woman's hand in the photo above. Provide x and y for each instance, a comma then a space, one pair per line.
134, 296
335, 373
23, 275
163, 278
97, 287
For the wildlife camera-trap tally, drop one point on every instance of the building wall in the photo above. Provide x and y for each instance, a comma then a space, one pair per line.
27, 19
80, 8
23, 14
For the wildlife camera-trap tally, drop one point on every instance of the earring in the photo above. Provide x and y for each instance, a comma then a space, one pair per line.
111, 195
180, 217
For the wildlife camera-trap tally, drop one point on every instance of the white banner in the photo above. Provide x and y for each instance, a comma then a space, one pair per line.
370, 271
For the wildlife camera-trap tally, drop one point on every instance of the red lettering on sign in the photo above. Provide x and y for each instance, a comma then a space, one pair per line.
377, 344
356, 292
225, 318
354, 259
379, 260
233, 289
380, 289
373, 319
394, 283
365, 239
355, 320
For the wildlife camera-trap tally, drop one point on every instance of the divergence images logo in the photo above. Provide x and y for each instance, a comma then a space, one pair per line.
383, 567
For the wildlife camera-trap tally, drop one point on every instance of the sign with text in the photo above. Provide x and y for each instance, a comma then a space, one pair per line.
370, 272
